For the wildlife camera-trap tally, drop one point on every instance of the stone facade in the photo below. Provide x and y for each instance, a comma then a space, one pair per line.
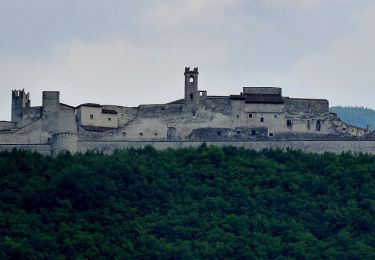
258, 115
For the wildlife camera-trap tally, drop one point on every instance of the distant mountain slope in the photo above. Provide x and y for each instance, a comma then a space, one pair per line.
358, 116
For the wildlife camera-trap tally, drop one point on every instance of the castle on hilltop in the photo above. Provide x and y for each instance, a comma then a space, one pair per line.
256, 115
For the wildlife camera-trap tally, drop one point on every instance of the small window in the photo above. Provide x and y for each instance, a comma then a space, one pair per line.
194, 114
308, 124
250, 115
163, 108
238, 116
140, 134
109, 119
219, 133
238, 132
253, 132
123, 133
344, 129
262, 119
156, 134
191, 79
289, 123
191, 96
91, 116
270, 134
275, 116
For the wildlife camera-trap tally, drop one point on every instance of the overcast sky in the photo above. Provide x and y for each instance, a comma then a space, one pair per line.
129, 52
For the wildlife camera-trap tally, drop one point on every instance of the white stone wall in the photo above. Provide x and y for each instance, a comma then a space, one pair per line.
93, 116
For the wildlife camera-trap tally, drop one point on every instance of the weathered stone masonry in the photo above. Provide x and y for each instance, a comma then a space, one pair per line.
258, 117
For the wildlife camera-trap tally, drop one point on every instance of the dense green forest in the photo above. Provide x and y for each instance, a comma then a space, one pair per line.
198, 203
358, 116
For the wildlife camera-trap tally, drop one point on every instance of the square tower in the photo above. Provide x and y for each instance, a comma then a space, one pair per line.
191, 87
20, 100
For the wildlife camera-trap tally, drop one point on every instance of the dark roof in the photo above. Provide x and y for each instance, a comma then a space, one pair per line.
217, 97
89, 105
259, 98
109, 111
179, 101
262, 98
66, 105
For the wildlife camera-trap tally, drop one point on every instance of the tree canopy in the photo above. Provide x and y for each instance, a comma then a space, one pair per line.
205, 202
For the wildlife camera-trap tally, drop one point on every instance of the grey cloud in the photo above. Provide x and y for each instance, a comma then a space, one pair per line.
131, 52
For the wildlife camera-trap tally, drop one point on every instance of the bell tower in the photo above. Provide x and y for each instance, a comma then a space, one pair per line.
191, 87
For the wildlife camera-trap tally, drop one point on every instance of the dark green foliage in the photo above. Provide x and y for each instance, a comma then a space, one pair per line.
207, 202
358, 116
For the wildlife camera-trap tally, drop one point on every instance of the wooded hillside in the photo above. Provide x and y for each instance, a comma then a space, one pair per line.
358, 116
191, 203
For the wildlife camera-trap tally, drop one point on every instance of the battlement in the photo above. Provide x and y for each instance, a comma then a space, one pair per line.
20, 101
20, 93
189, 70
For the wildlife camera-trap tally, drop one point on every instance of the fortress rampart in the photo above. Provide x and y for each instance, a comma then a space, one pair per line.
257, 118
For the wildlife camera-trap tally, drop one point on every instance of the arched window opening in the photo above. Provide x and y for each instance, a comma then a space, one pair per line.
191, 79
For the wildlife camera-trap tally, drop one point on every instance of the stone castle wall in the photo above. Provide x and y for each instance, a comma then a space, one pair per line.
45, 149
306, 146
259, 117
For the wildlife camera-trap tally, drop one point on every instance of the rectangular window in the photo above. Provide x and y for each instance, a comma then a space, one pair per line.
262, 119
253, 132
91, 116
109, 119
308, 124
270, 134
289, 123
250, 115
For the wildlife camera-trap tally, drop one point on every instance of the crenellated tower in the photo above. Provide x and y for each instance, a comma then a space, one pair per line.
20, 100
